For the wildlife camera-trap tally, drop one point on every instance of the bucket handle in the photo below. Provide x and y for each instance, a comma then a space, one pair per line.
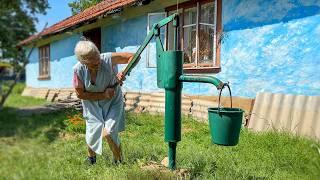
224, 84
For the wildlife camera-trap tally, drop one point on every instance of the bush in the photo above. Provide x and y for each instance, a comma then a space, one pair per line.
75, 123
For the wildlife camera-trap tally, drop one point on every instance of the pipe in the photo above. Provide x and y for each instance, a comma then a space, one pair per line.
173, 104
172, 155
202, 79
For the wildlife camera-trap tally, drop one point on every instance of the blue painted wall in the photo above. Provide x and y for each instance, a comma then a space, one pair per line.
127, 37
271, 46
62, 60
268, 46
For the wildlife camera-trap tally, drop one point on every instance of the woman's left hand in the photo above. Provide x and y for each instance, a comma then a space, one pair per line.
109, 93
121, 77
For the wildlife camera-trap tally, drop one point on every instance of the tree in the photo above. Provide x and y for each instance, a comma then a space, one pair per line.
80, 5
17, 22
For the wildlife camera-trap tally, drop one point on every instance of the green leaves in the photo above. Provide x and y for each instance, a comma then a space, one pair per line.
17, 18
80, 5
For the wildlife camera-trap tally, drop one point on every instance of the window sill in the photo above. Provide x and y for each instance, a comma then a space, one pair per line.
202, 70
46, 77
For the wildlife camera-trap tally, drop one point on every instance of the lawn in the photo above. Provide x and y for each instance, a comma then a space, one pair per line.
16, 100
52, 146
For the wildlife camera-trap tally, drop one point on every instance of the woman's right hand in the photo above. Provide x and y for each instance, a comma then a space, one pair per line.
109, 93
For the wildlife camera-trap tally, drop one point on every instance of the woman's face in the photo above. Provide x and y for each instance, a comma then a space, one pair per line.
93, 63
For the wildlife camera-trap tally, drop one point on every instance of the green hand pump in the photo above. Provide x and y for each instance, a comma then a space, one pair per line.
170, 77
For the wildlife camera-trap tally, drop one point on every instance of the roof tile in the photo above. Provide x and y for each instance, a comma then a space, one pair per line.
87, 14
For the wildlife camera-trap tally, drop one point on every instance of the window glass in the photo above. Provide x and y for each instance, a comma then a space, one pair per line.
190, 35
197, 34
206, 44
190, 16
207, 13
44, 60
189, 44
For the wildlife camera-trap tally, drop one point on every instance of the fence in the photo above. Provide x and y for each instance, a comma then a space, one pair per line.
194, 106
297, 114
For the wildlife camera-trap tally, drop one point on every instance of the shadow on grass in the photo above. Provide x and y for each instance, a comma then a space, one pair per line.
47, 126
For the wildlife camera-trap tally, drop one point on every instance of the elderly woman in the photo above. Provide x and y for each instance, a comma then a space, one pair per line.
96, 83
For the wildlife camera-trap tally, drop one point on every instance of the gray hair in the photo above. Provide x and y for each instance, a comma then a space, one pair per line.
85, 50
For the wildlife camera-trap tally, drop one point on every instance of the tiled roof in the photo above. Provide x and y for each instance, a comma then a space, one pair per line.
106, 6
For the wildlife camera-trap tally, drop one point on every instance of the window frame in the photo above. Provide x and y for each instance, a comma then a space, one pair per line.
215, 68
44, 62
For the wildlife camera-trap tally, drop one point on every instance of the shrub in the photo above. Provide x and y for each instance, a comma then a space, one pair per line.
75, 123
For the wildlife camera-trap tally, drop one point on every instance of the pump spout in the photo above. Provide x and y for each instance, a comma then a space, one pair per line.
202, 79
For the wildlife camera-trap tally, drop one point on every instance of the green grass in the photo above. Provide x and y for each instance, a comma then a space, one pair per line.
5, 65
40, 147
16, 100
45, 147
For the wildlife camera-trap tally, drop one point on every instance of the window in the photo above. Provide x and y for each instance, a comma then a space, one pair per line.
151, 49
200, 22
44, 62
94, 35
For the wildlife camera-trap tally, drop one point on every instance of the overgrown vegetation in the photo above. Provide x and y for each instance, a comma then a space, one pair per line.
75, 123
52, 146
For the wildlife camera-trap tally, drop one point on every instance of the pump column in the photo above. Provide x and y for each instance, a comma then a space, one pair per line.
172, 71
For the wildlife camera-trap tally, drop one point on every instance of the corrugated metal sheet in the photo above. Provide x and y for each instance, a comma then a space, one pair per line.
200, 107
152, 102
293, 113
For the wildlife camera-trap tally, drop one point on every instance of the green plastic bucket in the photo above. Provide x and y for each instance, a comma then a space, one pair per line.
225, 123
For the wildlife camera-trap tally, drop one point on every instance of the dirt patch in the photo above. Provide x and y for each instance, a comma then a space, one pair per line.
162, 168
69, 136
187, 129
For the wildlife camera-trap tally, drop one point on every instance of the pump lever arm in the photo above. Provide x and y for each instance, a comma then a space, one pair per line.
136, 56
146, 41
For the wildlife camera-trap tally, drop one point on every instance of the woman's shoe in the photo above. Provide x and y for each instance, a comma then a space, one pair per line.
119, 161
114, 161
91, 160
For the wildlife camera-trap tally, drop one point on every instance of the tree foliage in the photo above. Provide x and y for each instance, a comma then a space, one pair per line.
80, 5
17, 22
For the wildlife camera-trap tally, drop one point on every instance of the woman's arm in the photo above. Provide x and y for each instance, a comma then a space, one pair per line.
121, 57
82, 94
107, 94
